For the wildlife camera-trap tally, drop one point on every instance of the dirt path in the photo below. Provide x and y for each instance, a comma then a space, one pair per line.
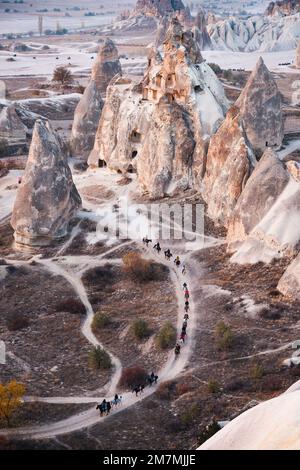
170, 370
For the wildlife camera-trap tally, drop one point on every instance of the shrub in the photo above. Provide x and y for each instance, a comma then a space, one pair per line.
17, 321
99, 358
189, 414
213, 386
256, 371
182, 389
166, 390
138, 268
140, 329
208, 432
132, 376
100, 320
11, 395
70, 305
62, 75
166, 338
224, 336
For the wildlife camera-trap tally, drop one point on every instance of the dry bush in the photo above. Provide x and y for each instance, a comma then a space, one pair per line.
189, 414
99, 358
224, 336
100, 276
166, 390
213, 386
70, 305
62, 75
166, 338
17, 321
140, 269
132, 376
100, 321
182, 389
140, 329
256, 371
208, 432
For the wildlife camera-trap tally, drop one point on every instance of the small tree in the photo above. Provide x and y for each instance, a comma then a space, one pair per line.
166, 337
11, 395
132, 376
256, 371
138, 268
213, 386
140, 329
62, 75
99, 358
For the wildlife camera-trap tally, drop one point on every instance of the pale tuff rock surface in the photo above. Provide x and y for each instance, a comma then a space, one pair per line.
271, 425
297, 60
12, 131
283, 7
47, 198
107, 65
294, 169
86, 119
260, 109
167, 153
200, 32
58, 107
126, 126
228, 166
289, 284
157, 7
264, 186
258, 33
277, 234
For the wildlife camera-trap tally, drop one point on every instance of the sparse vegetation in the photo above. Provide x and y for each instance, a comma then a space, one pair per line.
213, 386
256, 371
99, 358
140, 329
208, 432
138, 268
189, 414
11, 395
100, 321
132, 376
70, 305
224, 336
166, 337
62, 75
17, 321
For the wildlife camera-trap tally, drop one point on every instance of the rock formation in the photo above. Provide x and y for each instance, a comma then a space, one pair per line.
297, 59
230, 161
289, 284
200, 32
86, 119
158, 8
260, 109
12, 132
180, 82
283, 7
107, 65
47, 198
263, 188
88, 111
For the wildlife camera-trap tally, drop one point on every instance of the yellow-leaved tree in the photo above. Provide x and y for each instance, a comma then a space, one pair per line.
11, 395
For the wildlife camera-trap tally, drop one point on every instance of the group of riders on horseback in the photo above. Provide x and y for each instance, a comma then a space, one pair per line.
106, 406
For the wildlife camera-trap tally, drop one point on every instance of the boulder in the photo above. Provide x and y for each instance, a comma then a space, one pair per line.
289, 284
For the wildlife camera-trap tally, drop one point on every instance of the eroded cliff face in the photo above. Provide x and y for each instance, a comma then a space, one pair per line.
260, 109
289, 284
12, 132
47, 198
107, 65
158, 8
230, 161
180, 81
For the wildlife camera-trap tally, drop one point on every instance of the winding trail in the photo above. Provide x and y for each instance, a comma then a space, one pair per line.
170, 370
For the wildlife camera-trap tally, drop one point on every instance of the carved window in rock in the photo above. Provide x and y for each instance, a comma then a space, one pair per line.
198, 89
170, 97
136, 137
158, 80
145, 93
154, 94
101, 163
170, 80
130, 169
134, 153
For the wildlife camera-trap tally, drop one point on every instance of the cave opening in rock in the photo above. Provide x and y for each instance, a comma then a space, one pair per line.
158, 80
101, 163
134, 153
136, 137
198, 89
170, 97
130, 169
